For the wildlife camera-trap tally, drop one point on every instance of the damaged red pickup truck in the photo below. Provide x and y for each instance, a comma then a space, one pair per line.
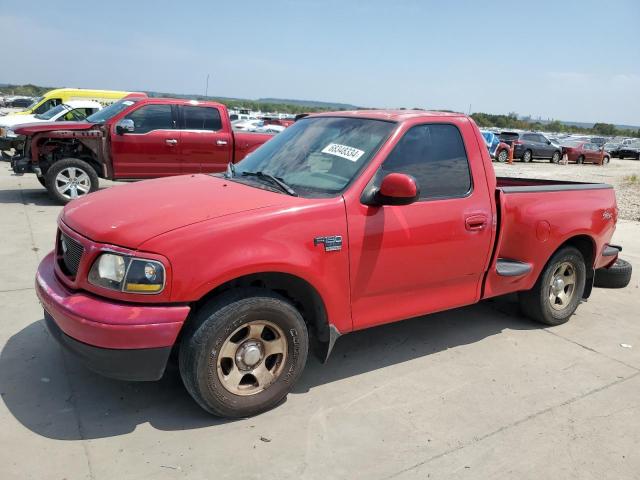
134, 138
342, 222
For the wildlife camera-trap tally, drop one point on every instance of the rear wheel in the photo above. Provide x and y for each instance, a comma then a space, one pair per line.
503, 156
557, 292
243, 352
580, 160
70, 178
527, 156
556, 157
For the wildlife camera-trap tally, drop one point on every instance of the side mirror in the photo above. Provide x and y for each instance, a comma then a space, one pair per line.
125, 125
548, 142
397, 189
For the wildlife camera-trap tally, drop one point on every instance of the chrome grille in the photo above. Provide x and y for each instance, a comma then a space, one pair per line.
71, 253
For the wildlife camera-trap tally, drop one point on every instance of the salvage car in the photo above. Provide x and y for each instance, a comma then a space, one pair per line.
134, 138
529, 146
55, 97
498, 150
585, 152
342, 222
629, 150
72, 111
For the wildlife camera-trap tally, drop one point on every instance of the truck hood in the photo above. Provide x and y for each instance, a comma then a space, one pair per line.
33, 128
128, 215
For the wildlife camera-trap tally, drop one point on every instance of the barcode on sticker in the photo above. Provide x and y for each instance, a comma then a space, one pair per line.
343, 151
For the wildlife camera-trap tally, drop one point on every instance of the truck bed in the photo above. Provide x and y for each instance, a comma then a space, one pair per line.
535, 216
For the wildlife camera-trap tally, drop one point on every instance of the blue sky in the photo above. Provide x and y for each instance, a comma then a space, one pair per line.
565, 60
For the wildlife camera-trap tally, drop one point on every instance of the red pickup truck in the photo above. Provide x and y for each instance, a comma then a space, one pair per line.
342, 222
134, 138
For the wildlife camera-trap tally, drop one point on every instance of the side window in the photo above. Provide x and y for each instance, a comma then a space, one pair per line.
152, 117
75, 115
435, 156
542, 139
202, 118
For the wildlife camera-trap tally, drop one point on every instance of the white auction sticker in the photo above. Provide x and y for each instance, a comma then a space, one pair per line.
343, 151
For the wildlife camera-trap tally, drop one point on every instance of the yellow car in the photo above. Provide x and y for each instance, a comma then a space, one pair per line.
58, 96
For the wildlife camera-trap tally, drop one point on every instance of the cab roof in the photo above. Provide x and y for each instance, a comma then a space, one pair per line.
388, 115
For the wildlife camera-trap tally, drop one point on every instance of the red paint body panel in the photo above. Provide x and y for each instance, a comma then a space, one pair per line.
396, 261
101, 323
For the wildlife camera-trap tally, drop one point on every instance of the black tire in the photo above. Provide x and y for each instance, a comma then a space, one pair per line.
556, 157
212, 327
42, 181
580, 160
606, 159
527, 156
502, 156
536, 304
77, 165
617, 275
620, 156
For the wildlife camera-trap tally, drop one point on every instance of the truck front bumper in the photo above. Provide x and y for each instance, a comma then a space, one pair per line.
118, 340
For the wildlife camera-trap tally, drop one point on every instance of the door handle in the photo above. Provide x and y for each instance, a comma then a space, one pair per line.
221, 142
171, 141
475, 222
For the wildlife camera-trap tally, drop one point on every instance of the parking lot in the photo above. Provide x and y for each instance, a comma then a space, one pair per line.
477, 392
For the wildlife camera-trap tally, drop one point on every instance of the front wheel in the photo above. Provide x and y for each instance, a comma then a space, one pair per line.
580, 160
503, 156
558, 290
243, 352
556, 157
527, 156
70, 178
606, 159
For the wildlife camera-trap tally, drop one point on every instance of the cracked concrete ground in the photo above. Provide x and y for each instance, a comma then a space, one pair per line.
478, 392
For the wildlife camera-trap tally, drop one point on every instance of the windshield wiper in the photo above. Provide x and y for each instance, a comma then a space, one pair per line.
283, 186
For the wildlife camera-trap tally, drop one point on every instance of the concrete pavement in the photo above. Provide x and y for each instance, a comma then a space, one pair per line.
478, 392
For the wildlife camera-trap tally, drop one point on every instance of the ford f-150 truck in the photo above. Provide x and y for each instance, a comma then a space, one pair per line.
134, 138
344, 221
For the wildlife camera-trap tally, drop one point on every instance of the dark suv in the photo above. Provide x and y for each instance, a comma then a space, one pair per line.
529, 145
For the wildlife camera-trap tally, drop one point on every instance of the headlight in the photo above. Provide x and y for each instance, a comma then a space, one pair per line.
127, 274
9, 133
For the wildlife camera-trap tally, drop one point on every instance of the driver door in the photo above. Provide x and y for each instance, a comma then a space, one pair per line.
415, 259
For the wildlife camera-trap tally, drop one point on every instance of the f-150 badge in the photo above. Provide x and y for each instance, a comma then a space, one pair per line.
332, 243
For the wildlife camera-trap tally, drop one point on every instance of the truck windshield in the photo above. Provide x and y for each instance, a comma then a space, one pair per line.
52, 112
318, 156
111, 111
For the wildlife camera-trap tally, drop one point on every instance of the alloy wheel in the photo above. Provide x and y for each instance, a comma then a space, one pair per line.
562, 286
72, 182
252, 357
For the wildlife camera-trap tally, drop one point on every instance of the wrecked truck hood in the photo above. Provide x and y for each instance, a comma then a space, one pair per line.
128, 215
33, 128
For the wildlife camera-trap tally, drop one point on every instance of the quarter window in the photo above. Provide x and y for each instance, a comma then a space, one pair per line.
152, 117
435, 156
202, 118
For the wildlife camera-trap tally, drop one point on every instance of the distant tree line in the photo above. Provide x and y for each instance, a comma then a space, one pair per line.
510, 120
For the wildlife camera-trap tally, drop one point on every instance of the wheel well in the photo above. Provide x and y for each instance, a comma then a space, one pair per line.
586, 246
298, 291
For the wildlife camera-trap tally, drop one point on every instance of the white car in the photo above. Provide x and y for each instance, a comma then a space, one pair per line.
270, 129
247, 125
73, 110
